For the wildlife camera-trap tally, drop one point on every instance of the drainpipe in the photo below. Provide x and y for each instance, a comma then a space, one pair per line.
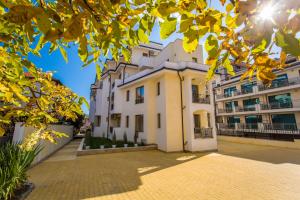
108, 111
181, 104
215, 110
124, 73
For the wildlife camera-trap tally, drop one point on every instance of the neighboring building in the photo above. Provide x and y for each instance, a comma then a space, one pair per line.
249, 107
160, 97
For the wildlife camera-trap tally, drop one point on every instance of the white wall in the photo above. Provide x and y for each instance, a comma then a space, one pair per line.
48, 148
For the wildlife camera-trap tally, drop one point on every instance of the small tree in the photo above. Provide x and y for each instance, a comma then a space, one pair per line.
114, 138
125, 138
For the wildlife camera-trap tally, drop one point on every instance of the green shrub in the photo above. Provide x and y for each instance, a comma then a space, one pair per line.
14, 163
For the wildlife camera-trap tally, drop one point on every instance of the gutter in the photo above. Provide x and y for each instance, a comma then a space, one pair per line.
181, 105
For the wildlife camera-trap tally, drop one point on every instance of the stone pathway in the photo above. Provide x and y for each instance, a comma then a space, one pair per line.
236, 172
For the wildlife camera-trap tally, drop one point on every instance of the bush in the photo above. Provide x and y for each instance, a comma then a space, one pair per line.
125, 138
14, 163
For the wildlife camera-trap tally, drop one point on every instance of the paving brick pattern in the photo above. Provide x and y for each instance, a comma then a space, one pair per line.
236, 172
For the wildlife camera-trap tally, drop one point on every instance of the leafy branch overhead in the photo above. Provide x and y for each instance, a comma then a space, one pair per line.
241, 34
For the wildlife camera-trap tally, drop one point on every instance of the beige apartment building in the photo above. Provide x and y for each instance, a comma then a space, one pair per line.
247, 107
161, 97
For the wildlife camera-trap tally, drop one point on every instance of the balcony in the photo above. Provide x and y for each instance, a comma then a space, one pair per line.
261, 88
203, 133
277, 105
279, 84
202, 99
139, 100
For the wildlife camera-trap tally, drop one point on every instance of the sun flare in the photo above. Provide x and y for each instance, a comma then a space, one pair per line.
267, 12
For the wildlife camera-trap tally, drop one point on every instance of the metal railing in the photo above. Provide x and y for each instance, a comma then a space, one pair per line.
278, 84
203, 99
277, 105
275, 84
203, 133
282, 128
245, 109
139, 100
226, 110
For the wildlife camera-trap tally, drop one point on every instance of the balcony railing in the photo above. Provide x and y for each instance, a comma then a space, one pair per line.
201, 99
261, 127
226, 110
277, 105
275, 84
245, 109
139, 100
278, 84
203, 133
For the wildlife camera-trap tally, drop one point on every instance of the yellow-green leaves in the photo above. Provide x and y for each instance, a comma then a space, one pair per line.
211, 46
83, 50
167, 27
288, 43
63, 52
143, 37
98, 71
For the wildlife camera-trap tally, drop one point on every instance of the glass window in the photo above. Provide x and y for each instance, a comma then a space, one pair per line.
232, 120
228, 91
139, 123
208, 120
127, 121
230, 105
97, 120
158, 88
139, 98
284, 121
280, 80
158, 120
253, 120
247, 87
249, 104
127, 95
197, 121
280, 101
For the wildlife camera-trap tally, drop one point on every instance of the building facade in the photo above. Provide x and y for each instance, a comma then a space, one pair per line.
248, 106
161, 97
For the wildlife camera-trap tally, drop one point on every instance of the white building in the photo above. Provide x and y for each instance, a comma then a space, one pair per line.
161, 97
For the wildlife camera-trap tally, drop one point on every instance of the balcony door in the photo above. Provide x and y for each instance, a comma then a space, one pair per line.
284, 121
197, 123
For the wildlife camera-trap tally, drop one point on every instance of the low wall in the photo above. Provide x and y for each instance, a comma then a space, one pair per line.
264, 142
83, 152
48, 148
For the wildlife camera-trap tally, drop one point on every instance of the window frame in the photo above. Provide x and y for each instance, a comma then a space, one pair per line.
158, 88
158, 120
127, 121
128, 95
139, 99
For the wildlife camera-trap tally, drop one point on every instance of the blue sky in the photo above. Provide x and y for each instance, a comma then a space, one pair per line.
72, 74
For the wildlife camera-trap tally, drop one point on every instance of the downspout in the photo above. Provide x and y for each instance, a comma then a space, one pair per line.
124, 73
181, 104
108, 111
215, 110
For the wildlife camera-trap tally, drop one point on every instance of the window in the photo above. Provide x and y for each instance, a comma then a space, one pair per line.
97, 120
197, 121
101, 85
284, 121
158, 88
127, 95
230, 105
120, 76
158, 120
139, 96
145, 54
208, 120
228, 91
252, 121
281, 80
232, 120
280, 101
249, 104
139, 123
195, 60
247, 87
127, 121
